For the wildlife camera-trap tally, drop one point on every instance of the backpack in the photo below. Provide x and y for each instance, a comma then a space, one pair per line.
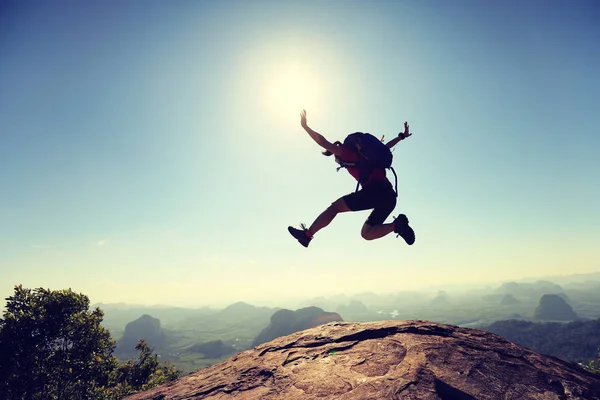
374, 154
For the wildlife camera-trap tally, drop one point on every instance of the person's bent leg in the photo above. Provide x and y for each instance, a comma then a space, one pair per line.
328, 215
375, 226
371, 232
343, 204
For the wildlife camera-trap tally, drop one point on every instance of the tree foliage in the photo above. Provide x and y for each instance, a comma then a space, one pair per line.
143, 374
53, 347
594, 365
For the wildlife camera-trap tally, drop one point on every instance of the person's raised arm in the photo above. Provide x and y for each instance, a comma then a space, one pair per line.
317, 137
401, 136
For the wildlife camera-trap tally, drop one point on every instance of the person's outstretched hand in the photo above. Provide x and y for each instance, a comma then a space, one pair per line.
406, 132
303, 118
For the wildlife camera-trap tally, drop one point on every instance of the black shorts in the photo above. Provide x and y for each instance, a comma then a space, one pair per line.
379, 196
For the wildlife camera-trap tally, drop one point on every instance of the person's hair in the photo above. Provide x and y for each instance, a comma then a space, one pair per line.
327, 152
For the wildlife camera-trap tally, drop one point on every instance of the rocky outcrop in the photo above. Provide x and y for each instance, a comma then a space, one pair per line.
553, 307
441, 300
145, 327
284, 322
385, 360
509, 300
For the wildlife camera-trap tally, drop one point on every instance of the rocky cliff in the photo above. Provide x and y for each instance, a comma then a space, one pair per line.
285, 322
553, 307
385, 360
145, 327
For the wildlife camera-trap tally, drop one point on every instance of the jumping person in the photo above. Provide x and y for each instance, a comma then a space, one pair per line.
376, 193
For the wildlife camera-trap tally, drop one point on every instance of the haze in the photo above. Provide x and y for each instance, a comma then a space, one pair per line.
151, 152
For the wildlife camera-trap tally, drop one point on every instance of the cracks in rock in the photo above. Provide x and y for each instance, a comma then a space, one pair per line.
257, 376
341, 348
380, 333
327, 352
558, 388
362, 335
361, 362
289, 359
501, 350
449, 392
209, 390
429, 330
404, 387
292, 345
348, 384
504, 354
368, 334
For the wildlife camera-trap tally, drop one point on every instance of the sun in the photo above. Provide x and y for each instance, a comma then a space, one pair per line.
292, 89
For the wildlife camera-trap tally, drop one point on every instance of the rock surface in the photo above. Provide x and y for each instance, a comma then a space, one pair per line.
385, 360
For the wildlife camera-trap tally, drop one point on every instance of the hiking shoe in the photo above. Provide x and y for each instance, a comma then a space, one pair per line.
301, 235
402, 229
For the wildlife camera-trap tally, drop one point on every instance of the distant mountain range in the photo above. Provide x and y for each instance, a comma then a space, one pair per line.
373, 300
202, 336
522, 296
232, 326
573, 342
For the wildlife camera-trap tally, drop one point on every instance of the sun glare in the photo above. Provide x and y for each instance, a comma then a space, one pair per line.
292, 89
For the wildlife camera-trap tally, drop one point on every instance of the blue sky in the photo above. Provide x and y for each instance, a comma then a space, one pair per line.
151, 151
